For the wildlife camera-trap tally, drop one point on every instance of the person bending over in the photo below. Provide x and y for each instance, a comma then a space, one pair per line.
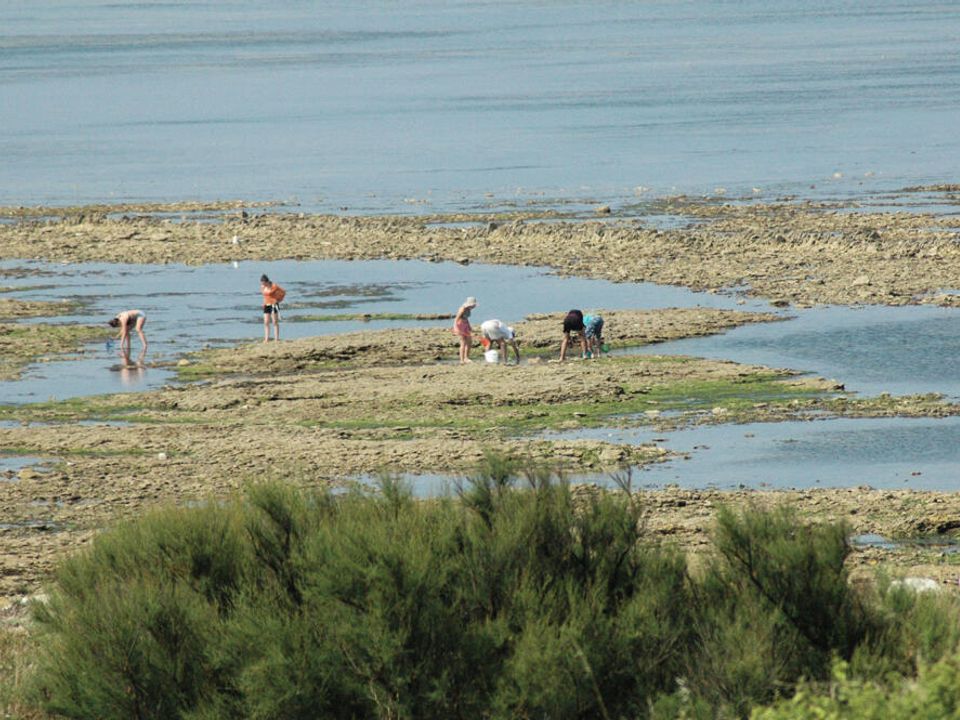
129, 320
593, 330
573, 323
497, 332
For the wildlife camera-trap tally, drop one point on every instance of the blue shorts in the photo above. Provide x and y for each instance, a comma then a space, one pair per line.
595, 328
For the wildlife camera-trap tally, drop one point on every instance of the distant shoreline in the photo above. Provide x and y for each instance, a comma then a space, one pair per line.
790, 251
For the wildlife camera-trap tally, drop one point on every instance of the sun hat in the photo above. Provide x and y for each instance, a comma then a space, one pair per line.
472, 301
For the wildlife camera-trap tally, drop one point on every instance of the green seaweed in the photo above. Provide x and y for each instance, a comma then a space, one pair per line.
24, 343
196, 371
739, 394
627, 407
95, 407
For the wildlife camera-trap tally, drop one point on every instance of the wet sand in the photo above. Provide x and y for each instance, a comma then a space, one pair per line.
791, 251
22, 343
318, 410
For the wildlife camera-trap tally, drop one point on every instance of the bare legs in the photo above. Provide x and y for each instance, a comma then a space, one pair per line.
566, 342
125, 335
266, 326
141, 321
466, 342
504, 346
595, 345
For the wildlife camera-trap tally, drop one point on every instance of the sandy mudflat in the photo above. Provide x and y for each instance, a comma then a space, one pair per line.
23, 343
797, 252
320, 409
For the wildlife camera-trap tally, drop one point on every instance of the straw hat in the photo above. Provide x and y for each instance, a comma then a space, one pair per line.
471, 301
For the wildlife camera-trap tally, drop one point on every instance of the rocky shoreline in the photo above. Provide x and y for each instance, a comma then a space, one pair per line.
790, 252
316, 411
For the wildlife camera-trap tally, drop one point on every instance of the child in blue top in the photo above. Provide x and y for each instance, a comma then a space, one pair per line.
593, 332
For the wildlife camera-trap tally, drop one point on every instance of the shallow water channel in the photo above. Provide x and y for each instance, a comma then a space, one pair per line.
191, 307
9, 466
872, 350
890, 453
884, 453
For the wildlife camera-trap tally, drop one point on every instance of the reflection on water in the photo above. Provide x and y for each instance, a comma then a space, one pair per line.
132, 372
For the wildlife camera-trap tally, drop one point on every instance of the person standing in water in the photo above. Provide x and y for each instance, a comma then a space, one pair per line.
129, 320
461, 328
272, 295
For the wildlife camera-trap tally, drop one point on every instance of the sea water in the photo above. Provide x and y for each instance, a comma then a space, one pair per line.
870, 349
891, 453
422, 105
190, 307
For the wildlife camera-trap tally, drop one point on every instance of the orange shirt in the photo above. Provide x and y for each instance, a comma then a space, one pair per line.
268, 296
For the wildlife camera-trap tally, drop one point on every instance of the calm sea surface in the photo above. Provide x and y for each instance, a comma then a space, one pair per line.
420, 105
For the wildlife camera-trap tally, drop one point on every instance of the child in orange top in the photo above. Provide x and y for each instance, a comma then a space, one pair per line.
461, 328
271, 307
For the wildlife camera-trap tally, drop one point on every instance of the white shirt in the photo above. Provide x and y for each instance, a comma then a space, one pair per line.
496, 330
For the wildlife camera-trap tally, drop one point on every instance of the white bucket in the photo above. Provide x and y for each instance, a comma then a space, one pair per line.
492, 355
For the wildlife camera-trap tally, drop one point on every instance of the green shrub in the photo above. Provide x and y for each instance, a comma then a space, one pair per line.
774, 605
498, 603
934, 695
798, 570
16, 659
917, 629
127, 631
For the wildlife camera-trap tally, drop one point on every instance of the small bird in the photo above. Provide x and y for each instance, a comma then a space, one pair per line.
236, 240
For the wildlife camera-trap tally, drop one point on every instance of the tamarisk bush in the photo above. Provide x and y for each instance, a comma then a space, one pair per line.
517, 597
